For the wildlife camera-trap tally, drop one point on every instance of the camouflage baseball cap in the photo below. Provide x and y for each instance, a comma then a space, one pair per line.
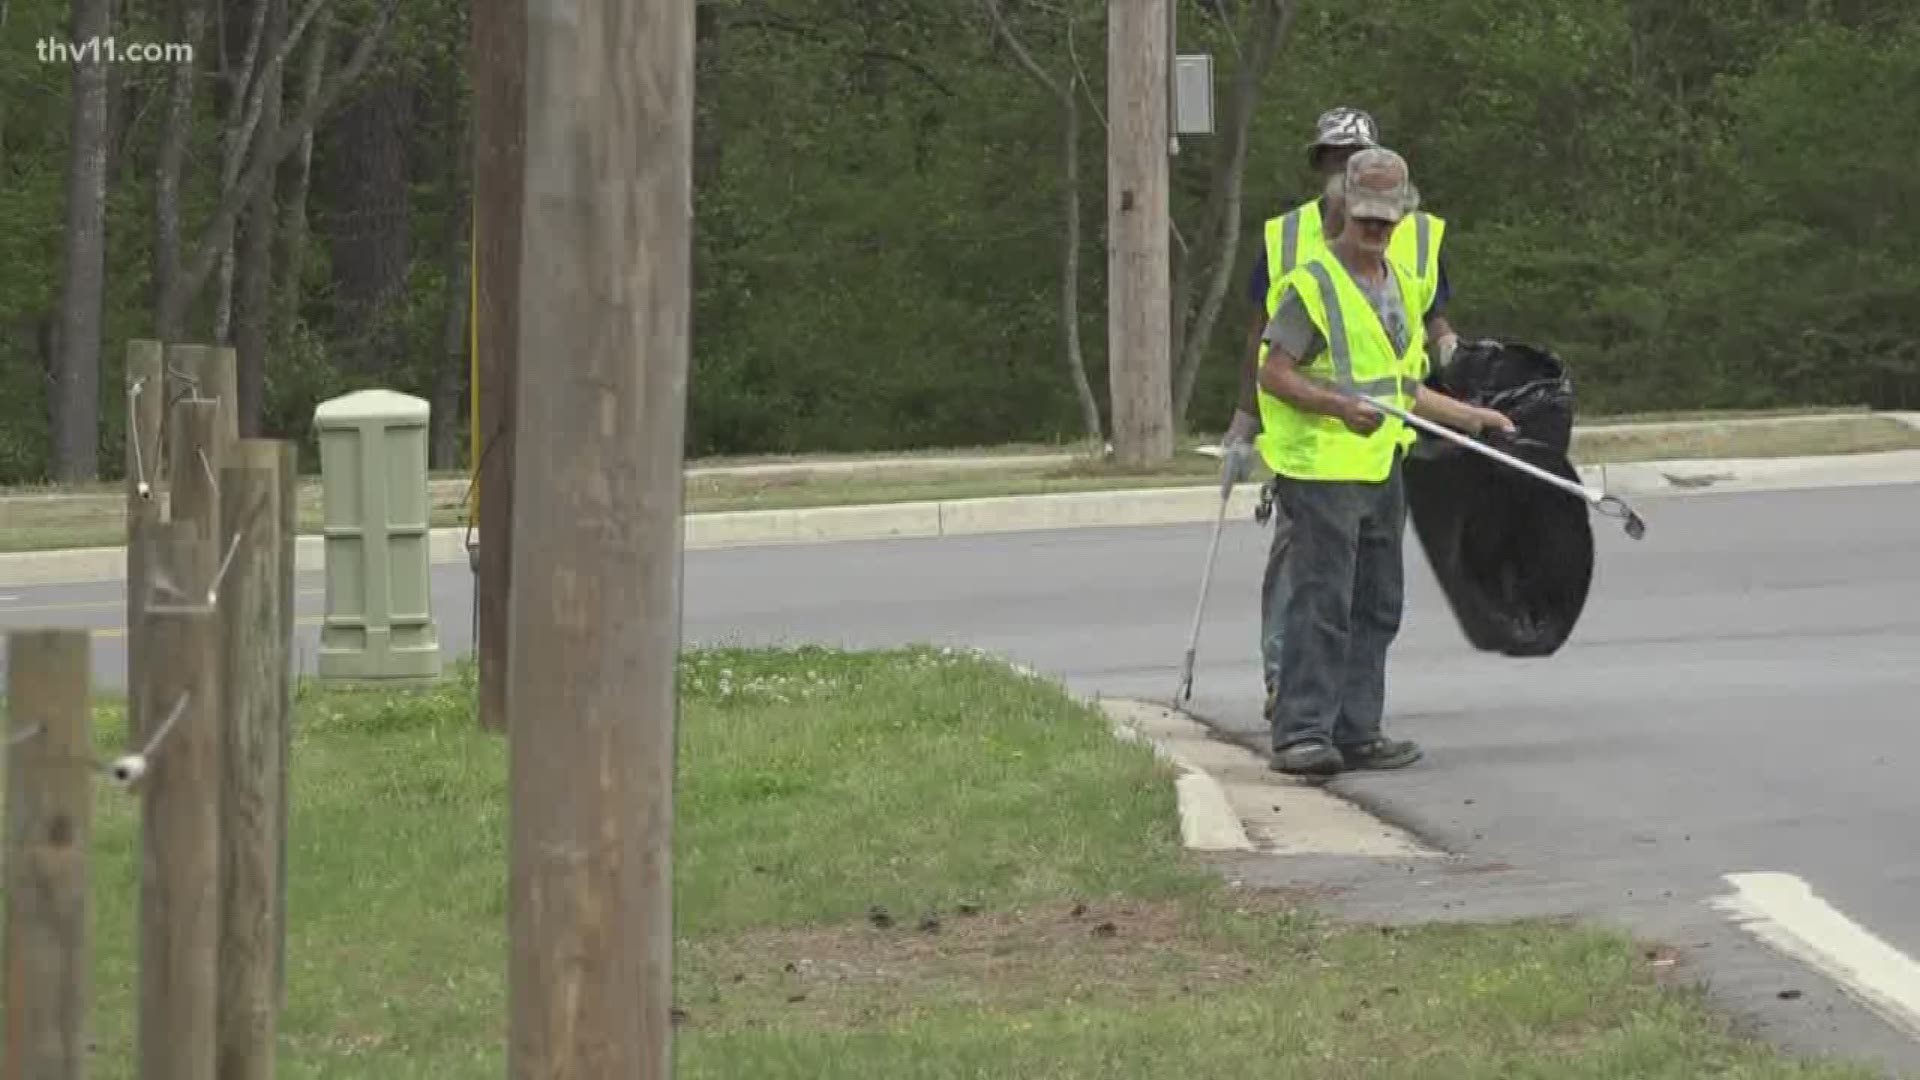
1378, 185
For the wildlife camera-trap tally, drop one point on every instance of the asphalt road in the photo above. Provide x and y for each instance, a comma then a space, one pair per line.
1740, 696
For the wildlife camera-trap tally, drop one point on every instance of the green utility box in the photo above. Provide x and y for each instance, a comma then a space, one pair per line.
378, 514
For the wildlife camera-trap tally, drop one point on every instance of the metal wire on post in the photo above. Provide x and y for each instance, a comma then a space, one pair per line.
226, 563
134, 438
129, 768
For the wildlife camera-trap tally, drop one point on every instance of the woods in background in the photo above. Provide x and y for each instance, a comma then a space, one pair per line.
900, 205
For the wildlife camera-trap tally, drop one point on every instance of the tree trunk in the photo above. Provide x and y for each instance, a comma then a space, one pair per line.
240, 66
451, 374
707, 135
1211, 259
4, 6
365, 175
1067, 90
297, 174
170, 306
254, 259
117, 15
1074, 356
199, 266
75, 400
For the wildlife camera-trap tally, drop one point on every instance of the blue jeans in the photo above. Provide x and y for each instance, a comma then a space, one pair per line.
1340, 593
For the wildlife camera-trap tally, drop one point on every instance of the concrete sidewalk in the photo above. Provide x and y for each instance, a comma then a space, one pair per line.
1153, 506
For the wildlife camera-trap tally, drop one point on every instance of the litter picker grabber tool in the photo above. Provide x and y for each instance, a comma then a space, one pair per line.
1185, 692
1610, 505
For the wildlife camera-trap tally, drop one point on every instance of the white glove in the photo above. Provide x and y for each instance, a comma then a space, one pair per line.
1446, 347
1236, 451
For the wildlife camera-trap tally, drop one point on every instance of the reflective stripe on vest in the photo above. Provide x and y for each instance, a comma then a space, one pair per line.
1342, 349
1314, 447
1426, 237
1286, 247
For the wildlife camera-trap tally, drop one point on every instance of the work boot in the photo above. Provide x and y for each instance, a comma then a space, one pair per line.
1380, 754
1308, 759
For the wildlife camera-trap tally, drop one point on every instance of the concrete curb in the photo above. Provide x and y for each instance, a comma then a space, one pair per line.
1208, 821
1076, 510
1231, 801
1756, 474
1207, 818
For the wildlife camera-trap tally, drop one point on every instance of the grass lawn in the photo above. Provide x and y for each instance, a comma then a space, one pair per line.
889, 867
40, 522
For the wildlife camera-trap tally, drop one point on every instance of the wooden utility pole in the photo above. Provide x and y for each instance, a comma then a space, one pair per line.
180, 698
596, 559
49, 832
1139, 338
499, 163
253, 487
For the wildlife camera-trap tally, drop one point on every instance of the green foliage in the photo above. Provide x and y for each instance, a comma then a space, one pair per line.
1697, 205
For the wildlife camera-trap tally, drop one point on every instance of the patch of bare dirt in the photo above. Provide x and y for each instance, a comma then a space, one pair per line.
852, 976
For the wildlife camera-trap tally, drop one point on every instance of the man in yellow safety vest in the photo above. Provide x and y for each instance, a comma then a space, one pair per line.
1341, 333
1287, 239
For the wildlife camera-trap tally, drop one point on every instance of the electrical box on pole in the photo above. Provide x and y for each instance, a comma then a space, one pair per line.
1193, 94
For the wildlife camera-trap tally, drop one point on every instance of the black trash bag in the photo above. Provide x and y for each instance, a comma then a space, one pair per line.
1513, 555
1528, 385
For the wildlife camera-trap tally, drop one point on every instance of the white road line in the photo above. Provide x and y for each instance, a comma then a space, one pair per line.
1783, 911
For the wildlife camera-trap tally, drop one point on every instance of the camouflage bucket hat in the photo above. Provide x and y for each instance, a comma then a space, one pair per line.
1342, 128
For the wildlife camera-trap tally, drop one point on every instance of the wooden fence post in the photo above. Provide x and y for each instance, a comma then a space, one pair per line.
212, 372
180, 885
146, 396
49, 829
256, 657
286, 534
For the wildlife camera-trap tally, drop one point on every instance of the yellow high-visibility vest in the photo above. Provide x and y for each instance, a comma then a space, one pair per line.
1357, 357
1297, 235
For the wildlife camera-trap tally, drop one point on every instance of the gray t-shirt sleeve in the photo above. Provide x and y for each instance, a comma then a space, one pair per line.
1292, 330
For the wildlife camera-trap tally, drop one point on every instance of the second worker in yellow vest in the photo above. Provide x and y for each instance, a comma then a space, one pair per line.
1342, 330
1295, 235
1287, 239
